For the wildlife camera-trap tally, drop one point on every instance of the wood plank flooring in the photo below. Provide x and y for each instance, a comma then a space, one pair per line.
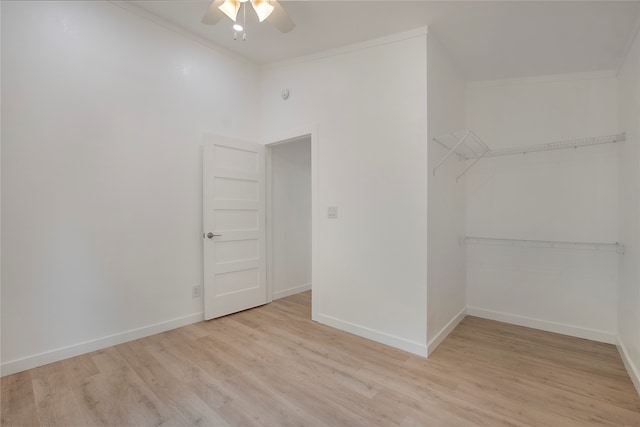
272, 366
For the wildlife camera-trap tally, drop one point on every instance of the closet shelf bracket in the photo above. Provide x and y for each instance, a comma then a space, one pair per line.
468, 146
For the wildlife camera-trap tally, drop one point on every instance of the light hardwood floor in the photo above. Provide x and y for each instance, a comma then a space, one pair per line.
272, 366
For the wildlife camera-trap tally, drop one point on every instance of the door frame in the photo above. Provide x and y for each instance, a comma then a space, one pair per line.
284, 137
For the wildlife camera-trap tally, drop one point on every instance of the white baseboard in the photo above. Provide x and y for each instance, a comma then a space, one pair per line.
292, 291
574, 331
631, 367
444, 332
373, 335
29, 362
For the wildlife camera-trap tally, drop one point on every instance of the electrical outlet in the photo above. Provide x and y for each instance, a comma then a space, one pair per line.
196, 291
332, 212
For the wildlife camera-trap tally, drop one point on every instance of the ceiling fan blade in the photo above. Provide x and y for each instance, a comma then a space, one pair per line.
280, 18
262, 8
213, 14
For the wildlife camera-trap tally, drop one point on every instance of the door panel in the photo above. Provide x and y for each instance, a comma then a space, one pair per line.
235, 219
234, 211
236, 158
235, 189
234, 281
238, 250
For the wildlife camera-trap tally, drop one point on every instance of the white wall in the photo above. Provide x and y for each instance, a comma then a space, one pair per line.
369, 103
629, 212
568, 195
291, 217
446, 263
102, 120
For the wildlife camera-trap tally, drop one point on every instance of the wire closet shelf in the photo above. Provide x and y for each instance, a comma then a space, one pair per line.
466, 145
555, 244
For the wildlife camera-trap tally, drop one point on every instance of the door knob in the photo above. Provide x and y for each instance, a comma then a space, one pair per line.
210, 235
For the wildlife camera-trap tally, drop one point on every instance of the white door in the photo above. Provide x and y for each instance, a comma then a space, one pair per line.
234, 226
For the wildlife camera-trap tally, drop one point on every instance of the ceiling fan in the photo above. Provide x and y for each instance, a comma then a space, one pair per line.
269, 10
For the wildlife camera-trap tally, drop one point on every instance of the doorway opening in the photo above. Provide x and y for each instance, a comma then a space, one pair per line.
290, 217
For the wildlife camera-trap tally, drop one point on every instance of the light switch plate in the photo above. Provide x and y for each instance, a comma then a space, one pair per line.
332, 212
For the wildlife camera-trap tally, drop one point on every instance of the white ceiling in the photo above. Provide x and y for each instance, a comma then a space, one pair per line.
488, 40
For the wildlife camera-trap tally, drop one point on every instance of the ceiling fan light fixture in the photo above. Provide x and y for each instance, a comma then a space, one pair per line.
230, 8
263, 9
237, 27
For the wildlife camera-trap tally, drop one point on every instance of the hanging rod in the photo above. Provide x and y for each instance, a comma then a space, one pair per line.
558, 145
601, 247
